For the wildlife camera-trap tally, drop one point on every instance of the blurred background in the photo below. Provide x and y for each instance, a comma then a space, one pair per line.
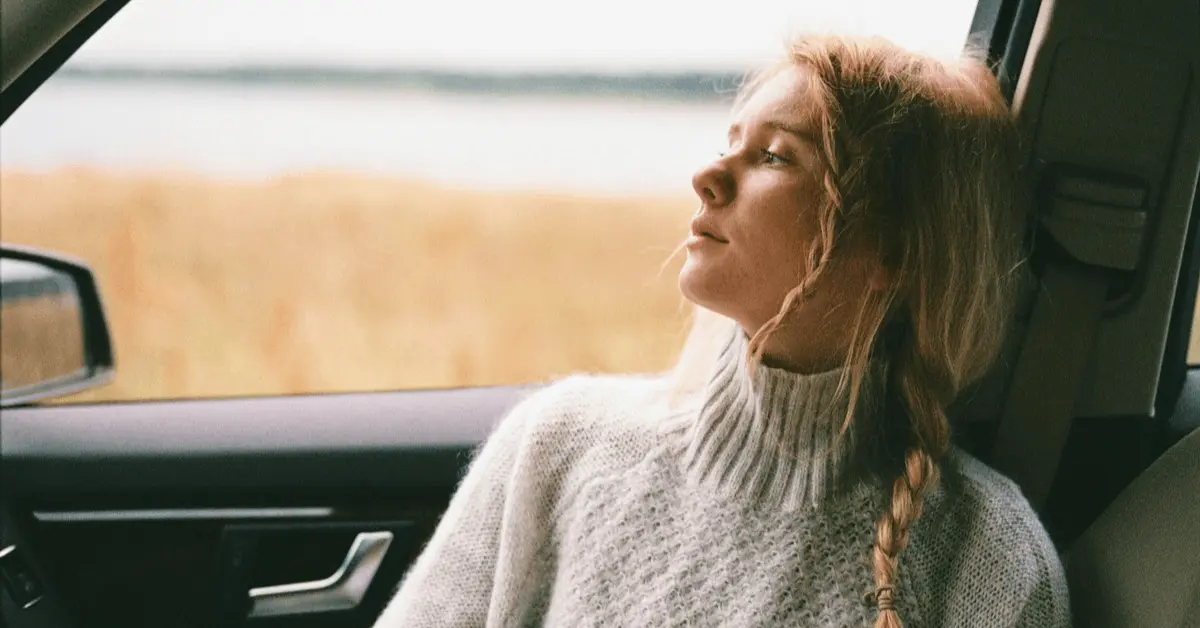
308, 196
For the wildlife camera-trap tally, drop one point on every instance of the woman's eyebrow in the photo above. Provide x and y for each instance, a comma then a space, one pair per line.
799, 131
791, 128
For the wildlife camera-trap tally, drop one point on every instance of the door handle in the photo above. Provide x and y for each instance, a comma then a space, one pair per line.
344, 590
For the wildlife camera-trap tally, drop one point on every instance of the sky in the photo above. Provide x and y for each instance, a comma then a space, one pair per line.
505, 35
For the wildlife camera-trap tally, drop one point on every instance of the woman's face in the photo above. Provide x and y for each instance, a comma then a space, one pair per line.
757, 220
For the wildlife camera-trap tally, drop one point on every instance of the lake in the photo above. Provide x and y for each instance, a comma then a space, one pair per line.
594, 145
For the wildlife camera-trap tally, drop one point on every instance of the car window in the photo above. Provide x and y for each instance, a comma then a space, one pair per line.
301, 196
1193, 355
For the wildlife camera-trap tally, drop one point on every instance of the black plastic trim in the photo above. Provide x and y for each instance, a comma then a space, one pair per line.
37, 73
990, 26
1004, 29
1174, 370
1186, 415
409, 442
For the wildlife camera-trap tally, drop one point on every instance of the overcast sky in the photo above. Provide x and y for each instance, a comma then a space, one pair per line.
605, 35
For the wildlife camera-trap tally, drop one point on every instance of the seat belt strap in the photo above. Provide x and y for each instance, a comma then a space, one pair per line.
1046, 381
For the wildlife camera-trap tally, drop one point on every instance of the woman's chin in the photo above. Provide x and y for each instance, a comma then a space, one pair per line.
695, 282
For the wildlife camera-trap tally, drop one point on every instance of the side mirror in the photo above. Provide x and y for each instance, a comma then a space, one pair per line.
53, 335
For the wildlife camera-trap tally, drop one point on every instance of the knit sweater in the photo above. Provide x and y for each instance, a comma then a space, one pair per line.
595, 504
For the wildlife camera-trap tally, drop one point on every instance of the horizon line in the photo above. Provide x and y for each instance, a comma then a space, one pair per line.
690, 84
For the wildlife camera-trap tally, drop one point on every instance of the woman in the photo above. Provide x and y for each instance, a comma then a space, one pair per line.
852, 262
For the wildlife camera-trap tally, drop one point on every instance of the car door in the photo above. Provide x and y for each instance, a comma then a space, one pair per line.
180, 513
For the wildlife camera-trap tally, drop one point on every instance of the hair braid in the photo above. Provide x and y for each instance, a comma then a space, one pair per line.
924, 396
892, 530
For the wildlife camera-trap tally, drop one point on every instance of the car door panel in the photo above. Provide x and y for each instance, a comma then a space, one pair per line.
167, 514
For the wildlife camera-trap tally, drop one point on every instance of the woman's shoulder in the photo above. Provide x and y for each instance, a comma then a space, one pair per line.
1000, 512
564, 419
984, 486
584, 401
982, 524
587, 391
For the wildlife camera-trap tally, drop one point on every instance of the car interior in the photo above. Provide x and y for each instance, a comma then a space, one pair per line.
189, 513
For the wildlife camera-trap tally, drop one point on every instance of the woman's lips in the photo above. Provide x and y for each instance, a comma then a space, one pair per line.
701, 239
701, 230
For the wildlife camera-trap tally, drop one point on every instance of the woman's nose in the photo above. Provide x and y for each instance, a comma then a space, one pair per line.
713, 184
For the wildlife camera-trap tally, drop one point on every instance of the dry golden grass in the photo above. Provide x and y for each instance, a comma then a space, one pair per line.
333, 282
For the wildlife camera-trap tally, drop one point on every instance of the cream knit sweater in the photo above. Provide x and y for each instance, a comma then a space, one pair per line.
593, 505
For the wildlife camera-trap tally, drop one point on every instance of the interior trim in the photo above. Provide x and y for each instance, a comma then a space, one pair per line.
39, 37
1176, 375
179, 514
412, 442
1003, 29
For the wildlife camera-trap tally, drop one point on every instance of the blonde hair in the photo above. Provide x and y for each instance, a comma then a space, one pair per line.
921, 165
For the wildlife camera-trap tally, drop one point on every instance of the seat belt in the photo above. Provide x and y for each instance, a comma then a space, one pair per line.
1045, 383
1098, 221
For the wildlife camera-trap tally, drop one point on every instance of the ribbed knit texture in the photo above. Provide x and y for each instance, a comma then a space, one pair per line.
773, 436
593, 504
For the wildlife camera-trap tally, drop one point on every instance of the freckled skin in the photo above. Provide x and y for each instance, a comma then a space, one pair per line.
761, 196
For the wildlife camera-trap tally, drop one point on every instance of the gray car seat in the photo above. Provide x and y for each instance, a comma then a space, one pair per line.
1138, 565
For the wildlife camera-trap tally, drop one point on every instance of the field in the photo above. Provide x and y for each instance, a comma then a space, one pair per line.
329, 282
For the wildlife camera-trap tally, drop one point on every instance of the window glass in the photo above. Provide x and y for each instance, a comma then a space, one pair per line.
303, 196
1193, 356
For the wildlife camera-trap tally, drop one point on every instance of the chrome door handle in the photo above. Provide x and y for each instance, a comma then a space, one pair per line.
344, 590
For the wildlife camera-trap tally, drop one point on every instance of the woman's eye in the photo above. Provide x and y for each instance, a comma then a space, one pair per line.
773, 159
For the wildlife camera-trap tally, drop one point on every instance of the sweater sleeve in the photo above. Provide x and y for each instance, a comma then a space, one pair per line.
995, 565
1047, 604
453, 583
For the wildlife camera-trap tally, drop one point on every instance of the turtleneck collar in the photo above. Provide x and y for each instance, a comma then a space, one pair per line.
772, 436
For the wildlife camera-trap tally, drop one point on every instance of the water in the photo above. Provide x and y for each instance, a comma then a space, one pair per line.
590, 145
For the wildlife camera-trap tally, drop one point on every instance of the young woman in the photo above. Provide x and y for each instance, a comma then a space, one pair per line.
852, 262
